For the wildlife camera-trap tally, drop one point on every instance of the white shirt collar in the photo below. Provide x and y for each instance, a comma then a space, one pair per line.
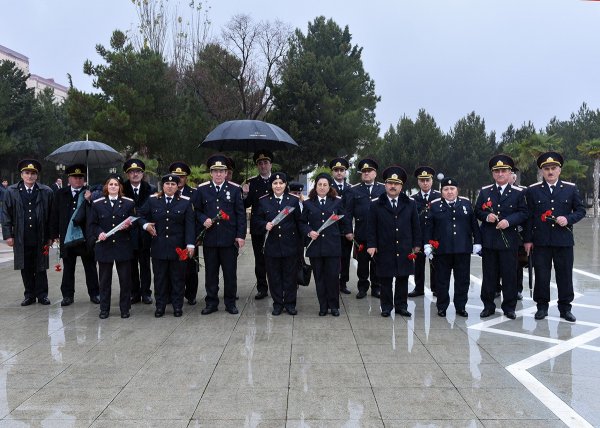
450, 202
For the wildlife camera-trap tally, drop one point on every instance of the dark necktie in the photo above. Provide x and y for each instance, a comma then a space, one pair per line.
393, 203
169, 200
278, 201
113, 201
322, 202
340, 188
425, 196
500, 190
369, 187
451, 204
552, 188
135, 193
217, 188
29, 191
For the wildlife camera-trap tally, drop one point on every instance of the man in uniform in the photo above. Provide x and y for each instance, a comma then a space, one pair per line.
339, 166
67, 200
139, 190
504, 210
252, 190
393, 235
453, 225
424, 176
357, 201
554, 206
57, 184
224, 236
26, 213
182, 170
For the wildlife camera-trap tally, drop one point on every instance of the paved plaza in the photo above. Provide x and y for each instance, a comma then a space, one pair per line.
65, 367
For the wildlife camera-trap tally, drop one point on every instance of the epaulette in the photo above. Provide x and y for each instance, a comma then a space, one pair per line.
99, 199
413, 195
338, 197
127, 199
463, 197
233, 184
375, 199
411, 198
264, 196
357, 184
569, 183
379, 182
187, 198
516, 188
435, 200
252, 178
206, 183
535, 184
289, 194
154, 196
486, 187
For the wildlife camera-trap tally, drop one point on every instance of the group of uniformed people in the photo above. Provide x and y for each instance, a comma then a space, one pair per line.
391, 235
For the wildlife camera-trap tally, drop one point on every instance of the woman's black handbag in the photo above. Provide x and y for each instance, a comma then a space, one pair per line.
304, 273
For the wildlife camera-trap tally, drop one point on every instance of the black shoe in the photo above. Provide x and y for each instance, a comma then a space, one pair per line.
510, 315
487, 313
232, 310
209, 310
135, 300
147, 300
322, 313
277, 311
192, 302
568, 316
335, 312
103, 315
28, 301
93, 299
260, 295
541, 314
159, 313
124, 315
361, 294
403, 312
44, 300
462, 313
291, 310
519, 296
66, 301
375, 293
385, 314
416, 293
345, 290
442, 313
177, 313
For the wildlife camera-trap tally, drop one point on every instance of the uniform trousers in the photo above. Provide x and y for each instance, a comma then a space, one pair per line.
141, 275
67, 285
258, 242
105, 272
345, 261
501, 263
282, 274
326, 271
168, 272
420, 263
562, 257
366, 270
445, 265
35, 282
390, 299
226, 259
191, 278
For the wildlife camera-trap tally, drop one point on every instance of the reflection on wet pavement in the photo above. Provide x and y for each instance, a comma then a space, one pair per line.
66, 367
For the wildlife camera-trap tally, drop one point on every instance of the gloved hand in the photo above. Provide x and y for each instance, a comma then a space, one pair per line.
476, 248
428, 250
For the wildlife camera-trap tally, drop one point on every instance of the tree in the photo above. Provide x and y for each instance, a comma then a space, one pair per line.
591, 148
325, 100
526, 151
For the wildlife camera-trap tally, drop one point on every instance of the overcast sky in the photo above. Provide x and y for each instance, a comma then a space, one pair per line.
510, 61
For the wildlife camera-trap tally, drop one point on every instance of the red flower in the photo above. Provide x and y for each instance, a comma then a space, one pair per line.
486, 205
58, 267
223, 215
45, 250
412, 256
286, 211
334, 217
434, 244
361, 247
182, 253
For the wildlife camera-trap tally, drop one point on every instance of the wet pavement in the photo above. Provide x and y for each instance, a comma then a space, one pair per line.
64, 367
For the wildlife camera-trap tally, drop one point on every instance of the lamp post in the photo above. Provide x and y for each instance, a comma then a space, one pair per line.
60, 168
440, 176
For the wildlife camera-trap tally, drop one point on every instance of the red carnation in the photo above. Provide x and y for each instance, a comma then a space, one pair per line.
412, 256
45, 250
361, 247
223, 215
182, 253
434, 244
334, 217
58, 268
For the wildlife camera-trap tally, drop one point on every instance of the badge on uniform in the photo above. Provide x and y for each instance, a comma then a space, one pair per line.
228, 195
465, 210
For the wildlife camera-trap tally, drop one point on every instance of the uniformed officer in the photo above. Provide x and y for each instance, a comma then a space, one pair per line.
357, 201
554, 207
139, 190
168, 217
339, 167
253, 189
453, 225
68, 199
223, 236
325, 250
183, 170
505, 210
424, 176
393, 234
281, 244
25, 227
230, 169
106, 213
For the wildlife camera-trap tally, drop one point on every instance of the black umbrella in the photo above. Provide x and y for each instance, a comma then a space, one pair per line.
248, 136
91, 153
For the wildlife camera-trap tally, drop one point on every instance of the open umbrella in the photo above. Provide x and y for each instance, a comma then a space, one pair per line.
248, 136
91, 153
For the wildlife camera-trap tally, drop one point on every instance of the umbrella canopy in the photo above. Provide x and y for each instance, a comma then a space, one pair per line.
91, 153
248, 135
